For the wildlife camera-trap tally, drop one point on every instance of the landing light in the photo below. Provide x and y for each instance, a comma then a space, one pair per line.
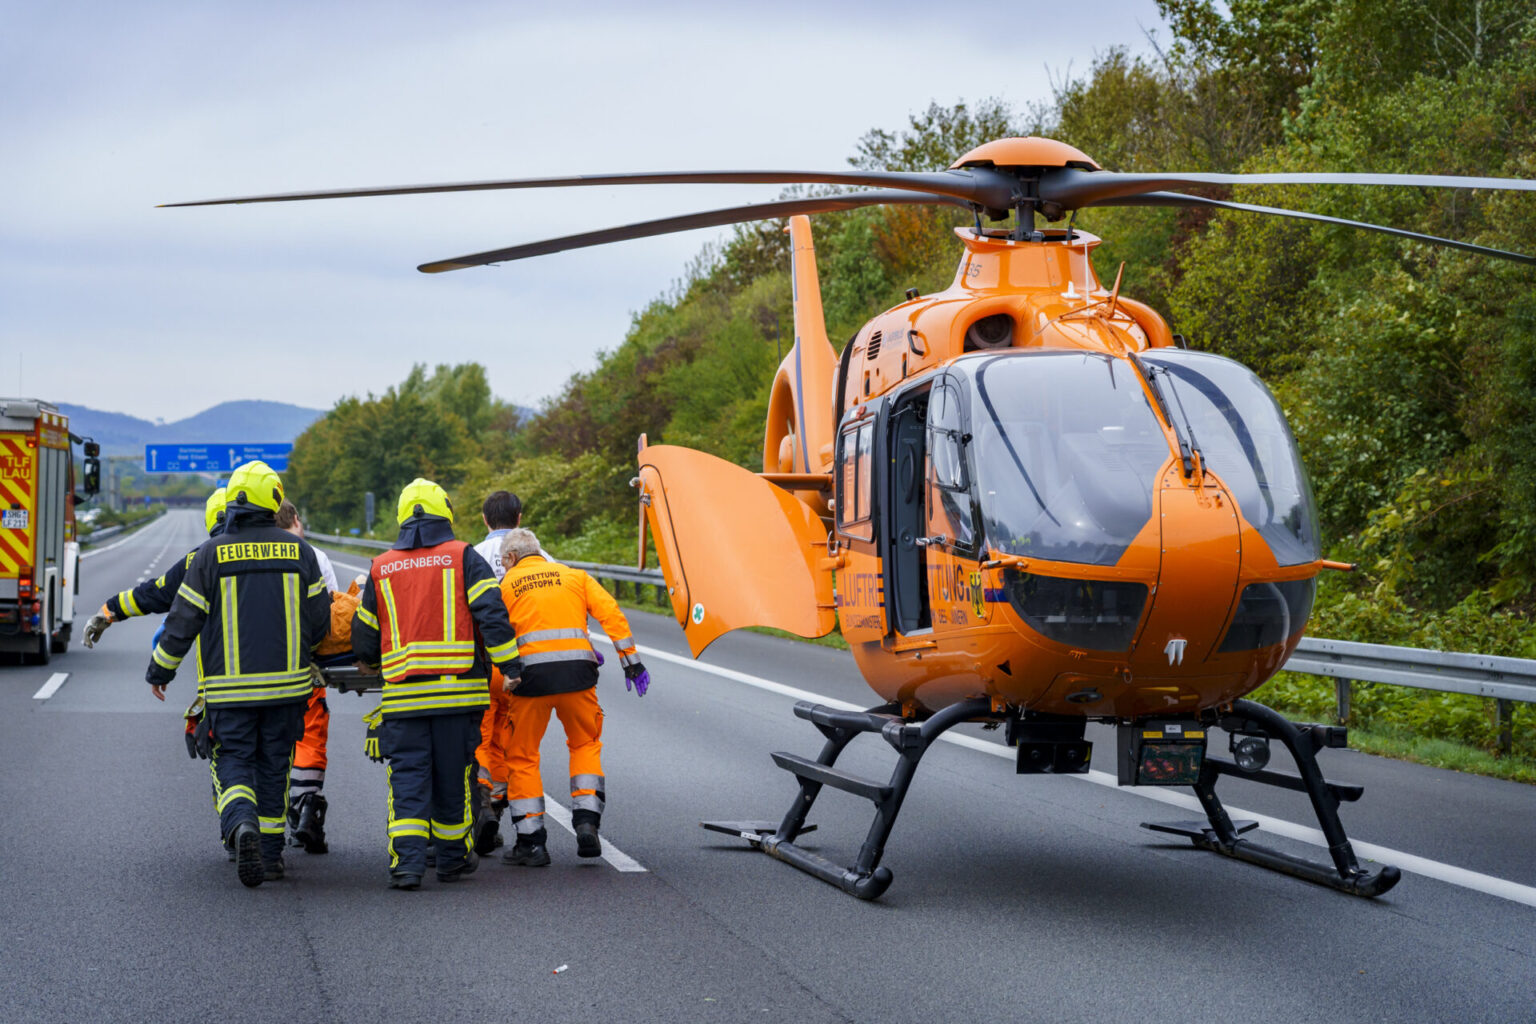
1250, 752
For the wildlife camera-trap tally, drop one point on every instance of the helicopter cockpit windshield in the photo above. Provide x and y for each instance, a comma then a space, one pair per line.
1224, 410
1067, 451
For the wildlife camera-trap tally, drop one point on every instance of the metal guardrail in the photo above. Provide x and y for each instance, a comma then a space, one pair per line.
1505, 680
1481, 675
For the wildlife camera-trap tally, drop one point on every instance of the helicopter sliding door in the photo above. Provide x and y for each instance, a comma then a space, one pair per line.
904, 524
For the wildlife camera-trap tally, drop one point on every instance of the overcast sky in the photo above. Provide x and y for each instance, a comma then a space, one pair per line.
108, 108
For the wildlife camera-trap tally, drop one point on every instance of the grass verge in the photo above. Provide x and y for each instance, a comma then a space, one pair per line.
1442, 754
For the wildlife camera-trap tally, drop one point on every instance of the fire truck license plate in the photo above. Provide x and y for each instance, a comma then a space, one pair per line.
14, 519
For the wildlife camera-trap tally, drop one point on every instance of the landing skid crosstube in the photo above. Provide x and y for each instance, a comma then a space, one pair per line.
866, 879
1224, 836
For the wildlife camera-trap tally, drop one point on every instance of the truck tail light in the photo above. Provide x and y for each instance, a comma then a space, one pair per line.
24, 582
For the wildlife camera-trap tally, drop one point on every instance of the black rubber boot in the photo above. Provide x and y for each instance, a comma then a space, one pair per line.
469, 867
404, 881
584, 824
488, 827
528, 851
272, 870
246, 842
587, 842
309, 834
526, 855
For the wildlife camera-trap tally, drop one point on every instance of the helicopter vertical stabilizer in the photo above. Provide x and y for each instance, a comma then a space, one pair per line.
798, 436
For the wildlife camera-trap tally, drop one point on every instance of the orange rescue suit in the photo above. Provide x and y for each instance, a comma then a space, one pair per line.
549, 604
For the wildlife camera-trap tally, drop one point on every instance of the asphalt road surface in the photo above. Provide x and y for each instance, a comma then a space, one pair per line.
1015, 899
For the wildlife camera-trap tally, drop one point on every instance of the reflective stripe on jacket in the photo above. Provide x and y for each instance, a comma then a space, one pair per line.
549, 604
151, 597
253, 601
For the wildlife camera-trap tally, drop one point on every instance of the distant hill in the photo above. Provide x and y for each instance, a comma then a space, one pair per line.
121, 434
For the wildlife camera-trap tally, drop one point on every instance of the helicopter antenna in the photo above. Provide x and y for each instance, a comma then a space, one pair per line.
1114, 295
1071, 292
1087, 277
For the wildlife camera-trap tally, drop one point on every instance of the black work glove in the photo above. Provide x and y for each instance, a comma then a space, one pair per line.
199, 732
202, 737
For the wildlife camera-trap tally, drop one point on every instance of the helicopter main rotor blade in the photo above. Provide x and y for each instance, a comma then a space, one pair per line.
1071, 188
687, 222
985, 187
1178, 199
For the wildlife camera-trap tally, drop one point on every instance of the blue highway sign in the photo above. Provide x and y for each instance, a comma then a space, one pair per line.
212, 458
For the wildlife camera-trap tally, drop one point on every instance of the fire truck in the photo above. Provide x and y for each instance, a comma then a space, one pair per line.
39, 554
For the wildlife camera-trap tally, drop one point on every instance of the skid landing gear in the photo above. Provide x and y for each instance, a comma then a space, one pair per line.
1224, 836
865, 878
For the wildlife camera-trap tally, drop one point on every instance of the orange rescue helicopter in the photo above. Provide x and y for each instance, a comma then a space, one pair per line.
1023, 500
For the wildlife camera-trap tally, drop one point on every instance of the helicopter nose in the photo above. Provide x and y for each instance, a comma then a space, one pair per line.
1197, 578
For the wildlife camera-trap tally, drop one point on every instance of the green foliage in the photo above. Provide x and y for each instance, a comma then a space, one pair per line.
429, 426
935, 138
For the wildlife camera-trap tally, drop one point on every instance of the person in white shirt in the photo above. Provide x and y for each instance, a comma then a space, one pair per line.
288, 519
502, 512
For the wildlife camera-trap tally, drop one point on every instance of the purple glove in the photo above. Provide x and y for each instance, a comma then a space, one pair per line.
635, 675
599, 657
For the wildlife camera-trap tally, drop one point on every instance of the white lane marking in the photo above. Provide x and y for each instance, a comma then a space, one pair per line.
51, 687
1449, 873
136, 535
612, 854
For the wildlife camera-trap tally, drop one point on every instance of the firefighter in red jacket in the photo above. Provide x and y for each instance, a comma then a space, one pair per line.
432, 618
549, 604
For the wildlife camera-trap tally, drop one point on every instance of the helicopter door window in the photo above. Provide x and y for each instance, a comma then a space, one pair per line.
903, 519
855, 467
949, 499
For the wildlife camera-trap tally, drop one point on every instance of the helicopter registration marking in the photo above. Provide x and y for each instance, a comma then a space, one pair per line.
1448, 873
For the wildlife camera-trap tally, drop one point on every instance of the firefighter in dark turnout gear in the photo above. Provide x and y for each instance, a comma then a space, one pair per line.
154, 597
431, 616
255, 605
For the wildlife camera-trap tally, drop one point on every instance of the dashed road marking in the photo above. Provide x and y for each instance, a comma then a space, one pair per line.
1449, 873
51, 687
620, 860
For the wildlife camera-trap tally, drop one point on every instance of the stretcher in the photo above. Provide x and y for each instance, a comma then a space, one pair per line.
342, 672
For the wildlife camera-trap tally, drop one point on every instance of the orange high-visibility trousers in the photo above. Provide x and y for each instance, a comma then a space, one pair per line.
309, 760
582, 717
495, 738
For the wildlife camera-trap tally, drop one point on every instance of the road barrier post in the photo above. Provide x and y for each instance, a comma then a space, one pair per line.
1506, 722
1342, 694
